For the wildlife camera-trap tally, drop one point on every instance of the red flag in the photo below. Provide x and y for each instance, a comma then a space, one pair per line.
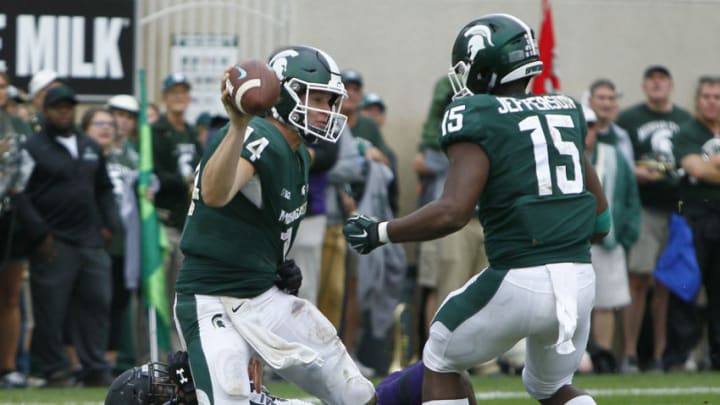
546, 82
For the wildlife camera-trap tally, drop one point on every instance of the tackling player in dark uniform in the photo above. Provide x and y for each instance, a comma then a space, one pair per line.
519, 158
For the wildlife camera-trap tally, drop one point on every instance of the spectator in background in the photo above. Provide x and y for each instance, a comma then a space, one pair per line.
13, 254
697, 150
175, 155
16, 104
153, 113
603, 101
125, 109
101, 126
609, 260
651, 126
74, 209
40, 83
373, 107
361, 126
202, 124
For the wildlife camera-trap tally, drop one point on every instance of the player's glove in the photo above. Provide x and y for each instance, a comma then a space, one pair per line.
288, 277
361, 233
179, 371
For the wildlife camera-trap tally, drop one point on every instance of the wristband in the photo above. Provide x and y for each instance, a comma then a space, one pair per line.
602, 222
382, 232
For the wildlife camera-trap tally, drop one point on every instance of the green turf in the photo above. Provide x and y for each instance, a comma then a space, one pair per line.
504, 390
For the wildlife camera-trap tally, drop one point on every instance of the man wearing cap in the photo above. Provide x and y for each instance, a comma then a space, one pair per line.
74, 215
373, 107
38, 87
125, 109
651, 126
175, 155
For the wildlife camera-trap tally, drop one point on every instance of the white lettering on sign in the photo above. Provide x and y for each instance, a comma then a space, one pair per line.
58, 43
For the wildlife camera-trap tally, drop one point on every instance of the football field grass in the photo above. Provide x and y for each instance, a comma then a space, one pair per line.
640, 389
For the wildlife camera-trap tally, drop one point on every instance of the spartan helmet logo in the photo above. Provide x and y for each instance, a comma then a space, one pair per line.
712, 147
662, 146
478, 34
279, 62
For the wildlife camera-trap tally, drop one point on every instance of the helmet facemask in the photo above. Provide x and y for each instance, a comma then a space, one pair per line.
458, 75
160, 386
300, 91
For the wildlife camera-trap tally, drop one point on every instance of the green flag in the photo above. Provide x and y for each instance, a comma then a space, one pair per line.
153, 243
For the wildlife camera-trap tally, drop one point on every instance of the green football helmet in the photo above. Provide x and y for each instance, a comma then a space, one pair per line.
302, 69
492, 50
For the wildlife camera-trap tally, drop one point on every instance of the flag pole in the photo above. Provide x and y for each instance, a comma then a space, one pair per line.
152, 334
153, 274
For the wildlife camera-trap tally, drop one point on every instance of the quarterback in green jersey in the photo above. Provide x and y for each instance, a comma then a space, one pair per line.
233, 302
519, 159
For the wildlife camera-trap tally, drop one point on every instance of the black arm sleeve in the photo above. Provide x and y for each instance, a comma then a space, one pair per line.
326, 154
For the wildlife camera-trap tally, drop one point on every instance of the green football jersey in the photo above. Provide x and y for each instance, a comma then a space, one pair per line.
535, 208
651, 134
234, 250
695, 138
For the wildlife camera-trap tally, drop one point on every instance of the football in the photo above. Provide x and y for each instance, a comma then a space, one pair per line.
253, 87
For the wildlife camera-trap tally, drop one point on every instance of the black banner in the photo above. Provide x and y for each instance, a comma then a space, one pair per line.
90, 43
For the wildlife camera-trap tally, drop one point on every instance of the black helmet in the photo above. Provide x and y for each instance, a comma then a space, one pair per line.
149, 384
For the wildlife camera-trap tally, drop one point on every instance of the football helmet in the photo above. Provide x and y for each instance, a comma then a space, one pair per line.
302, 69
492, 50
149, 384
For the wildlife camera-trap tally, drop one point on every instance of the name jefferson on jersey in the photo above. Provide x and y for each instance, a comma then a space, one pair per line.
535, 208
234, 250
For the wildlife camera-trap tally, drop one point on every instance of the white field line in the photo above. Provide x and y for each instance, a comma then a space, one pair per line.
610, 392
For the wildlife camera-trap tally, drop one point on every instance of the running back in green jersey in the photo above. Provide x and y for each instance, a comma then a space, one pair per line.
535, 207
234, 250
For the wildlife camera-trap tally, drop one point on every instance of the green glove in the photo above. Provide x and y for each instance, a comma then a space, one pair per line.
361, 233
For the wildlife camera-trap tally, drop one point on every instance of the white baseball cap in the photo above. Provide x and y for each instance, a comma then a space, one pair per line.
124, 102
40, 80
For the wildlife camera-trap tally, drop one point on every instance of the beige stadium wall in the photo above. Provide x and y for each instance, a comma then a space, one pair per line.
402, 46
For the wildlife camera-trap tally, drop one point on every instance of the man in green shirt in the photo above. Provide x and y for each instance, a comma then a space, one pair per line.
697, 149
651, 126
249, 196
175, 155
519, 158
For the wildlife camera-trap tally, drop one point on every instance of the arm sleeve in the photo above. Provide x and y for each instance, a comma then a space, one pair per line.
326, 154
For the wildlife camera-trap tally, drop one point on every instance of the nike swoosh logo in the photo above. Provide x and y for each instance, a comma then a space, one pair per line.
359, 235
235, 309
242, 72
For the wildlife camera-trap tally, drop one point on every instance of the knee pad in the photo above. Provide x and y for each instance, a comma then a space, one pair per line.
358, 391
230, 371
539, 389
